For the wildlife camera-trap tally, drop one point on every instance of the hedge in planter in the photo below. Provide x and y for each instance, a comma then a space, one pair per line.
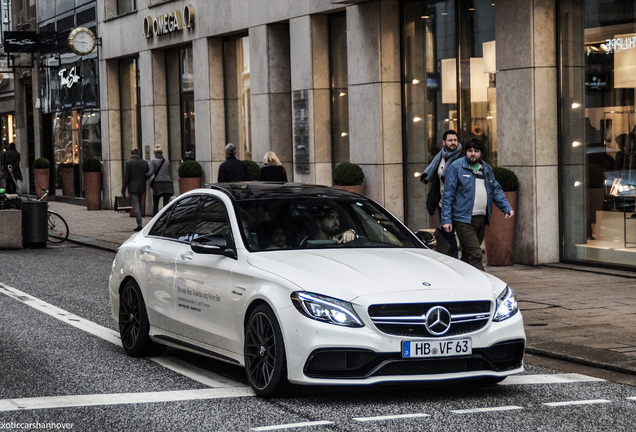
506, 178
500, 234
190, 172
92, 164
347, 174
190, 168
253, 168
92, 169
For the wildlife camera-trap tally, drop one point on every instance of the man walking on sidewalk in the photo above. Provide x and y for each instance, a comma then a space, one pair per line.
135, 176
435, 174
469, 191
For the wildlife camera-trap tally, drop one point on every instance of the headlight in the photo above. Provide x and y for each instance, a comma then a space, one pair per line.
326, 309
506, 305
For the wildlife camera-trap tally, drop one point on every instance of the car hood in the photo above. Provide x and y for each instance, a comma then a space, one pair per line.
348, 274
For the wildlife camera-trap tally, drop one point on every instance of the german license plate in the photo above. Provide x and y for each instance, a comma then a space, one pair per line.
436, 348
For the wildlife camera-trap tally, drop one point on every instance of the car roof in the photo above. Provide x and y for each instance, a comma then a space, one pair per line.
241, 191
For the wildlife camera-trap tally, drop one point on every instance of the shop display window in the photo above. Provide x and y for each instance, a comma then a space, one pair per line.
449, 82
598, 130
236, 71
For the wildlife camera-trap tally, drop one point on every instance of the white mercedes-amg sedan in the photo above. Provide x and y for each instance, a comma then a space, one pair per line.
309, 285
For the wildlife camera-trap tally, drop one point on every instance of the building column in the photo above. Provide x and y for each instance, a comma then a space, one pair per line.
111, 131
527, 107
309, 37
270, 92
208, 105
375, 102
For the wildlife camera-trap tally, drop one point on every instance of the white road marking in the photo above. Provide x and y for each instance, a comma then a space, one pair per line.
62, 315
291, 425
73, 401
490, 409
174, 364
579, 402
632, 398
548, 379
391, 417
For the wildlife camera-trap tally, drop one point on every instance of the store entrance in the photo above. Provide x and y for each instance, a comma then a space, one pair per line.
76, 136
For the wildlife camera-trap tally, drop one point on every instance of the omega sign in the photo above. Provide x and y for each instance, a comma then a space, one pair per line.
169, 23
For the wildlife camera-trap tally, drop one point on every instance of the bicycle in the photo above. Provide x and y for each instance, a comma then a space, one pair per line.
58, 228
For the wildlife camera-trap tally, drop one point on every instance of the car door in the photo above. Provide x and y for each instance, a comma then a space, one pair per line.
203, 281
158, 252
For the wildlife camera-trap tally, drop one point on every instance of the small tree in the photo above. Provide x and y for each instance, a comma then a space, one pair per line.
347, 174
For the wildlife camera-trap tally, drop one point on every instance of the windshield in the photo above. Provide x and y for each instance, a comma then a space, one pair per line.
310, 223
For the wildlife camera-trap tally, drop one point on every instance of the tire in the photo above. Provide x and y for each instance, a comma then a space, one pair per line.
133, 323
58, 228
264, 349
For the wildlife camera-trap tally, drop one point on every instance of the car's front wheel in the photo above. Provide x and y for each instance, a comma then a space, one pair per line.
133, 323
265, 360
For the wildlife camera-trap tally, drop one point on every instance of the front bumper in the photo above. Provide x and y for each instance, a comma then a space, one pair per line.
368, 356
363, 364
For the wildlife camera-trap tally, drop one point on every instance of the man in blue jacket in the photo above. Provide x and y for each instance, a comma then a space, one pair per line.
469, 192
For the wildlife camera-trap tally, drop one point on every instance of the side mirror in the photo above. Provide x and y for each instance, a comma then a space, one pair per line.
427, 238
213, 244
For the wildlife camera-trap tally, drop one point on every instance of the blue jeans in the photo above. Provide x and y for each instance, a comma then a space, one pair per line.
136, 201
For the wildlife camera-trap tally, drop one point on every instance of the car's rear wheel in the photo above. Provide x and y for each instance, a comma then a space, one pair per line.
265, 360
133, 323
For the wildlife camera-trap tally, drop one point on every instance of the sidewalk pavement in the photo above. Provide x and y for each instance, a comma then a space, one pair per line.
579, 314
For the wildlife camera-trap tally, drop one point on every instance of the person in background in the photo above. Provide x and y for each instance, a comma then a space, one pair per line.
161, 183
232, 170
434, 173
272, 169
136, 172
11, 169
469, 192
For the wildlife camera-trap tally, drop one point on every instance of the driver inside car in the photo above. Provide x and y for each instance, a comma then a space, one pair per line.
329, 228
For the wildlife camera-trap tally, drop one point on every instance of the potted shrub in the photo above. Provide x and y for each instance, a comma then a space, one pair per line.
348, 176
190, 173
92, 169
67, 175
253, 168
500, 234
41, 176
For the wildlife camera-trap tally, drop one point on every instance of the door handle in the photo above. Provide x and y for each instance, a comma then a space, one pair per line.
144, 249
186, 256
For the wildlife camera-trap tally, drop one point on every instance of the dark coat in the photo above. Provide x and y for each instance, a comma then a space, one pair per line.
233, 170
11, 157
273, 173
135, 175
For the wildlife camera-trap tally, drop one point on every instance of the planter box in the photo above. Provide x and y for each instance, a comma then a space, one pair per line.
93, 190
187, 184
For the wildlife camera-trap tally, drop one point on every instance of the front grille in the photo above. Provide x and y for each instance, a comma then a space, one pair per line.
360, 364
408, 319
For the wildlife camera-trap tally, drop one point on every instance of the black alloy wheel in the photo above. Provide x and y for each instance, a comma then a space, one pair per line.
133, 323
265, 360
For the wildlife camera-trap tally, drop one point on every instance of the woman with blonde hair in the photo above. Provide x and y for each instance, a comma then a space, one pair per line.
272, 169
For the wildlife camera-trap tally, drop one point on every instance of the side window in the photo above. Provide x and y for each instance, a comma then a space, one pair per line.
159, 226
212, 219
181, 223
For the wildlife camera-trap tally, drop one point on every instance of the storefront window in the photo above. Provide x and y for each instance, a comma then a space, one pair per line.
236, 69
339, 88
448, 83
130, 111
125, 6
598, 131
186, 84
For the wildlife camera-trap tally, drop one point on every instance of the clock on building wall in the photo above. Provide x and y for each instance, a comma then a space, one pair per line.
82, 41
